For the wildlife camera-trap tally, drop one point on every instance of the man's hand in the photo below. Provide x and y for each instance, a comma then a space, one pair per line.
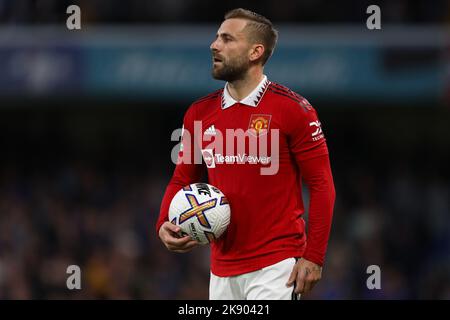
305, 275
169, 236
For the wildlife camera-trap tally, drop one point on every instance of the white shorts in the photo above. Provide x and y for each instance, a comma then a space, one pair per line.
268, 283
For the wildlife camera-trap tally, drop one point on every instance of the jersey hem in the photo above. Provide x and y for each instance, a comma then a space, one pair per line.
229, 269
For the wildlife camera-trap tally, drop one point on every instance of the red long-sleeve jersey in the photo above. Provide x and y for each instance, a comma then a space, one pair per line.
264, 189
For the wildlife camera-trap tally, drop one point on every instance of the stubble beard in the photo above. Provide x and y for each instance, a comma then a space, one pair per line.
231, 70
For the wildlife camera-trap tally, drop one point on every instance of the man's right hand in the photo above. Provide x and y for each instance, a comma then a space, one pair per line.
168, 233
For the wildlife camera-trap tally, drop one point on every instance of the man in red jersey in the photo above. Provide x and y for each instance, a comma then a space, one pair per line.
264, 254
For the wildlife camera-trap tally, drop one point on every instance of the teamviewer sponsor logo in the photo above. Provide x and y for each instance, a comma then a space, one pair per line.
242, 147
241, 159
208, 157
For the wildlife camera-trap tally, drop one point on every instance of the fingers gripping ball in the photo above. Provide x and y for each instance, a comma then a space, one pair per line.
202, 211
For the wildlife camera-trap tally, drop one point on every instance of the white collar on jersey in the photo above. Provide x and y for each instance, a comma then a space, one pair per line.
251, 100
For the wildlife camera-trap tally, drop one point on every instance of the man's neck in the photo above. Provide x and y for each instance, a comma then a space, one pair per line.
240, 89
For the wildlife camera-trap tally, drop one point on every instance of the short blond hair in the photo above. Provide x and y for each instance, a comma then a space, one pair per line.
260, 29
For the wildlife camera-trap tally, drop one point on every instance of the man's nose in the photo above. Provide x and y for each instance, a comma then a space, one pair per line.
213, 46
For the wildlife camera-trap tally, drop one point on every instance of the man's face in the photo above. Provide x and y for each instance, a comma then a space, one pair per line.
230, 51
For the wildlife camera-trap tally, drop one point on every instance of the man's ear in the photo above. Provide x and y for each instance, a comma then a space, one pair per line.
256, 52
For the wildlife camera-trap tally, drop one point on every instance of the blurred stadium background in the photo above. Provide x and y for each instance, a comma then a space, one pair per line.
86, 118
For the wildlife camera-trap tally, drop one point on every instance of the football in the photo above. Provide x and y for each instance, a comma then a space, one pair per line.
202, 211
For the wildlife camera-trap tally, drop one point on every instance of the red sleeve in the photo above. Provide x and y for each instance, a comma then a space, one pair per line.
306, 139
316, 173
308, 145
186, 172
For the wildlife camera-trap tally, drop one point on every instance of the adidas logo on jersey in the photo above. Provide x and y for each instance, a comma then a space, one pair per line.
211, 131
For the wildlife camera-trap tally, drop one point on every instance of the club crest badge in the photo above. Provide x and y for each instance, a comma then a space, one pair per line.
259, 124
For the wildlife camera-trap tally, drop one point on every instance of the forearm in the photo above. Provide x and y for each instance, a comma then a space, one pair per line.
317, 175
170, 192
183, 176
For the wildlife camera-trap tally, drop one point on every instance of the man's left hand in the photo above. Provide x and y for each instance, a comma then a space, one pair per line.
305, 275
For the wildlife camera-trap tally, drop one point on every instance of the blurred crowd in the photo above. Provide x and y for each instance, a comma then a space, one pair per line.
102, 223
78, 212
199, 11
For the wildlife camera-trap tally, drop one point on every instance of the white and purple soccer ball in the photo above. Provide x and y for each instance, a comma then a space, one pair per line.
202, 211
